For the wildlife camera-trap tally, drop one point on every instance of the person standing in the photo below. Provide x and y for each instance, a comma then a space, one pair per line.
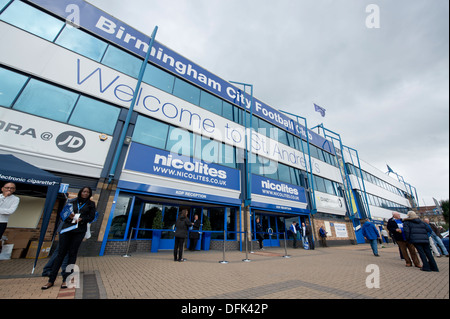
293, 230
8, 205
436, 237
194, 236
323, 236
370, 232
182, 225
72, 233
259, 233
307, 236
416, 232
395, 226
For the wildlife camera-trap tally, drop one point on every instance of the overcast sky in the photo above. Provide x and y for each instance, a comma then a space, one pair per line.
385, 90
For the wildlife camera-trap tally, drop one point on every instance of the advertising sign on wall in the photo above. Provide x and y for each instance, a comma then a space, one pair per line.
149, 160
25, 133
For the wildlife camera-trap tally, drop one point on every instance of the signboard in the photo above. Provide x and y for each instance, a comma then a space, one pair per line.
106, 26
25, 133
149, 160
341, 230
273, 188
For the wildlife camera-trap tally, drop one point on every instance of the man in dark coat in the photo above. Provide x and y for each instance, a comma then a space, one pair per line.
395, 226
416, 232
194, 235
182, 224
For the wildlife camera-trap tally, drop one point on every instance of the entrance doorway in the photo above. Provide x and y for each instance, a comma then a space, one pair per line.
275, 226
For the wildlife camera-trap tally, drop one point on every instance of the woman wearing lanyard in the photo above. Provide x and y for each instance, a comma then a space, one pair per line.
72, 233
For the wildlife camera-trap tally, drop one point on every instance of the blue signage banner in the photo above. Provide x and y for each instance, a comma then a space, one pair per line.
106, 26
273, 188
178, 193
146, 159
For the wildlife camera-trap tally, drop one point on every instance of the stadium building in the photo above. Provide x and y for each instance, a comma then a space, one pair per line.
68, 77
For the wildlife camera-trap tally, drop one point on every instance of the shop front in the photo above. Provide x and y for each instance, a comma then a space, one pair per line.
276, 204
155, 185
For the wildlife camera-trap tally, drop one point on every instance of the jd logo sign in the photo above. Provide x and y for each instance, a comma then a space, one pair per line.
70, 142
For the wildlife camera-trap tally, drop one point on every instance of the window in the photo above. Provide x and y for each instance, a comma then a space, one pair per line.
284, 173
10, 85
180, 142
76, 40
3, 3
32, 20
95, 115
122, 61
46, 100
217, 220
150, 132
206, 149
270, 168
329, 187
227, 111
158, 78
319, 184
186, 91
313, 151
231, 223
228, 156
211, 103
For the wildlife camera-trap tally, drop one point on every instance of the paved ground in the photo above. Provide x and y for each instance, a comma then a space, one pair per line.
324, 273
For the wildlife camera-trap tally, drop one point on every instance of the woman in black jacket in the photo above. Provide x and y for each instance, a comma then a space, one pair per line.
416, 232
70, 240
182, 224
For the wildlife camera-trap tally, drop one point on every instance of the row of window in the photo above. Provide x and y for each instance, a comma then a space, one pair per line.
384, 203
171, 138
367, 177
31, 19
39, 98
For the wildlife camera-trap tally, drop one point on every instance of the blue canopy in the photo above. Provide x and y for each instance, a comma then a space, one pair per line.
13, 169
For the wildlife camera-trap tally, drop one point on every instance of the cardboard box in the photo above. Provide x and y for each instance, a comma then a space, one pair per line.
44, 252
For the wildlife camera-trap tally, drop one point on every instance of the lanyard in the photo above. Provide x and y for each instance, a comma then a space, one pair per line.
80, 207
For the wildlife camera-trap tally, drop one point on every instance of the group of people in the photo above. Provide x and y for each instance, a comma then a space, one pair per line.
411, 234
303, 232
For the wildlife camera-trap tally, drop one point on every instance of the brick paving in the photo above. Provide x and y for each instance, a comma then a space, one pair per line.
323, 273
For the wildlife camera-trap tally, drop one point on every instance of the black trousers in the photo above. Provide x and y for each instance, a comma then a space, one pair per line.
68, 243
428, 262
178, 249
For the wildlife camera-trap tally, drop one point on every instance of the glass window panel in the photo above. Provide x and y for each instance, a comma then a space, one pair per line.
180, 142
122, 61
46, 100
284, 173
319, 184
238, 115
79, 41
210, 150
148, 215
256, 167
255, 123
10, 85
169, 219
119, 222
321, 156
150, 132
32, 20
217, 220
313, 151
271, 169
159, 78
3, 3
95, 115
227, 111
231, 223
211, 103
228, 156
186, 91
329, 187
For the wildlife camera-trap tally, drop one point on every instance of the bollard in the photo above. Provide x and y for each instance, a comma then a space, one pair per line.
285, 249
129, 241
246, 248
224, 240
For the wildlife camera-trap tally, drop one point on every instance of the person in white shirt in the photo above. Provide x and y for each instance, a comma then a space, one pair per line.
8, 205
